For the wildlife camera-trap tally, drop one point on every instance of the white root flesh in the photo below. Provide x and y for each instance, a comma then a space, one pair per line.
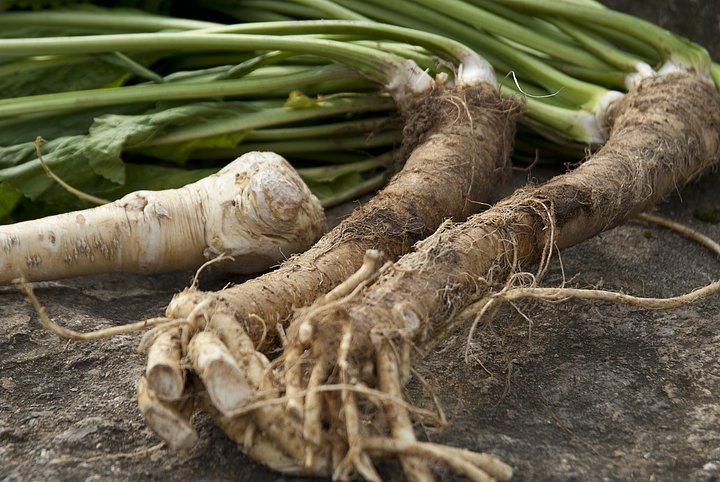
216, 368
256, 211
164, 373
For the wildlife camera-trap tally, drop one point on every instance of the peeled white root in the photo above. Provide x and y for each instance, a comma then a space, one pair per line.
256, 210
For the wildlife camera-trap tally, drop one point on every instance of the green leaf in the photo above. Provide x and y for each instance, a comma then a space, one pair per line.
183, 151
93, 163
111, 134
23, 130
61, 155
9, 198
324, 190
33, 77
155, 178
16, 154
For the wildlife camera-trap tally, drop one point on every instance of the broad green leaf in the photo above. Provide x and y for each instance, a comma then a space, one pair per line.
23, 130
9, 198
32, 77
324, 190
93, 163
111, 134
182, 152
61, 155
155, 178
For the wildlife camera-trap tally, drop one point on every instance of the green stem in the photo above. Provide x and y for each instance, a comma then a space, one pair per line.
670, 47
366, 187
567, 89
538, 25
323, 130
331, 9
302, 146
485, 20
715, 72
418, 55
273, 117
330, 173
603, 49
433, 42
387, 16
113, 20
573, 124
629, 43
121, 60
72, 101
378, 65
256, 15
611, 79
284, 8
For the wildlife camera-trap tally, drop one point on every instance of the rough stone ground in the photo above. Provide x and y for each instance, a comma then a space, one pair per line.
593, 391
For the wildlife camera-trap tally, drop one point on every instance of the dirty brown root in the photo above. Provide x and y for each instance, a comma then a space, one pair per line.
662, 135
459, 143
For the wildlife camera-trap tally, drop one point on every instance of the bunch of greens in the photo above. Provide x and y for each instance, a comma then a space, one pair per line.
127, 111
130, 99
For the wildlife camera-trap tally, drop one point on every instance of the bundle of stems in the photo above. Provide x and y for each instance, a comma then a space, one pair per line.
185, 98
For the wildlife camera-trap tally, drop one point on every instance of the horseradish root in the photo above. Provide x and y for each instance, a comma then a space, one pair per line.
662, 134
256, 211
457, 143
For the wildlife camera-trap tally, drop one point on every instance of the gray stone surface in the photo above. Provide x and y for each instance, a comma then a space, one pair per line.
592, 392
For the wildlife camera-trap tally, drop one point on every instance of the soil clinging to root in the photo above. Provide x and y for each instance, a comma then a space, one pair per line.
458, 143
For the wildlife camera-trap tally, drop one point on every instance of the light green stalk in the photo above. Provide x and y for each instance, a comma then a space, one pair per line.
293, 147
365, 187
487, 21
274, 117
672, 49
367, 125
715, 72
387, 69
465, 56
568, 93
151, 93
331, 9
100, 21
330, 173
